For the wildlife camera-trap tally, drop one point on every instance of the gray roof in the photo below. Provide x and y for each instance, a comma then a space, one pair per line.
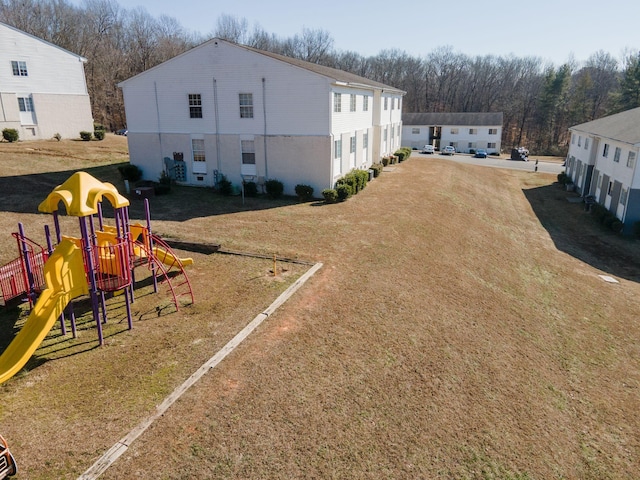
623, 126
338, 75
446, 118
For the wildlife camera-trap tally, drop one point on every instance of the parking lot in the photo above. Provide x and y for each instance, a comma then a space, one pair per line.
497, 162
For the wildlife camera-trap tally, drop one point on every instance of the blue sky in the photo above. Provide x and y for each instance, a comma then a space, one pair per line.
554, 30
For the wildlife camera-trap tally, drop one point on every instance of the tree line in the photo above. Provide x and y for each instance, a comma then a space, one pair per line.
540, 101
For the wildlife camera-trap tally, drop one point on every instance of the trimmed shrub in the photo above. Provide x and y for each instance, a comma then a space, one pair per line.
99, 134
402, 154
130, 172
331, 195
85, 136
563, 178
385, 161
10, 135
304, 192
344, 191
274, 188
250, 189
377, 169
224, 186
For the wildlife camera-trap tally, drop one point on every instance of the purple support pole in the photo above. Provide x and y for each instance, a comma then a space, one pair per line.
100, 219
92, 277
24, 250
153, 263
56, 223
121, 235
47, 234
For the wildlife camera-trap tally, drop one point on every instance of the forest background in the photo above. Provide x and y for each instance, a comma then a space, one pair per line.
540, 100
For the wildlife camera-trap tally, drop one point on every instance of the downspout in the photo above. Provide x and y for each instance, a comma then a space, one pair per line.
155, 88
217, 120
264, 113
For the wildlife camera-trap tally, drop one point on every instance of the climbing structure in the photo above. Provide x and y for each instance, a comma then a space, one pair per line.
101, 260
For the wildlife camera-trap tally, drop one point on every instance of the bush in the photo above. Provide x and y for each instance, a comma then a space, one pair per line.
344, 191
250, 189
331, 195
564, 179
385, 161
402, 154
304, 192
224, 186
274, 188
130, 172
10, 135
57, 136
377, 169
85, 136
99, 134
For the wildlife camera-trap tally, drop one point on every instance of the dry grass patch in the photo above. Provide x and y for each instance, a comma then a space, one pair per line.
458, 330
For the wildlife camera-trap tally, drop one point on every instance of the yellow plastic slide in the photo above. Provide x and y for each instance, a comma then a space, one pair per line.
65, 279
168, 258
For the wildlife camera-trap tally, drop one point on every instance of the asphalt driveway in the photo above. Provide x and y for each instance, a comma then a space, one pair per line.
546, 167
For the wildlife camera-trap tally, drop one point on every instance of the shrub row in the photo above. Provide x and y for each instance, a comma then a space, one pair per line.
352, 183
403, 153
606, 218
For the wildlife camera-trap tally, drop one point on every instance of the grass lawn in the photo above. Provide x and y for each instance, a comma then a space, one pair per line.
458, 329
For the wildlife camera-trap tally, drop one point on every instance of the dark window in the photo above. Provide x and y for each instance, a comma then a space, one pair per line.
195, 105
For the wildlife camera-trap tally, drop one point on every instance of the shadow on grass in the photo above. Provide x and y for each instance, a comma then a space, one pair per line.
575, 232
23, 194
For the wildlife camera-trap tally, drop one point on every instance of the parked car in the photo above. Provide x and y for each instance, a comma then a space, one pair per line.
448, 150
480, 153
428, 149
8, 467
122, 131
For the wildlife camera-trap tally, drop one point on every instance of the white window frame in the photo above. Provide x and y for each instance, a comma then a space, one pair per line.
19, 68
631, 159
454, 131
605, 150
337, 102
493, 131
352, 103
198, 156
616, 155
365, 103
473, 131
195, 105
246, 105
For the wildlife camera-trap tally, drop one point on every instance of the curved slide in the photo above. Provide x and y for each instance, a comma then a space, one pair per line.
65, 280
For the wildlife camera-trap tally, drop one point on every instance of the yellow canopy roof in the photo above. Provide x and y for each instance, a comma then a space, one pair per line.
81, 194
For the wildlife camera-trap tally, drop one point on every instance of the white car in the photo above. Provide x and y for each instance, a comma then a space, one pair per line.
448, 150
428, 149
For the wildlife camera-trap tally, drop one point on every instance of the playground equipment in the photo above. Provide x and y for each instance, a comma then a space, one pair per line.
100, 261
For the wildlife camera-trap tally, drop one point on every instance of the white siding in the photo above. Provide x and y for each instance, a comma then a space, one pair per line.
55, 83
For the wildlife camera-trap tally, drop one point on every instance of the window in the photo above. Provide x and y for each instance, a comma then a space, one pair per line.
337, 102
337, 148
493, 131
415, 131
616, 155
573, 139
579, 140
197, 144
19, 69
623, 196
365, 103
365, 140
473, 131
600, 181
246, 105
586, 143
454, 131
248, 152
195, 105
610, 188
631, 160
491, 145
352, 103
352, 145
472, 145
386, 103
605, 150
25, 104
